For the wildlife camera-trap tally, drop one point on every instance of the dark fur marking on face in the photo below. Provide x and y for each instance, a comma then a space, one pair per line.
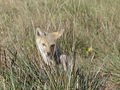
43, 44
56, 53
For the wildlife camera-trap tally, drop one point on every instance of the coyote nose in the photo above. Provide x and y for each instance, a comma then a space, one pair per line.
48, 53
52, 47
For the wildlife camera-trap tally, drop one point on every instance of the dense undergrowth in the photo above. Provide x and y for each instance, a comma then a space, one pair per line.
92, 26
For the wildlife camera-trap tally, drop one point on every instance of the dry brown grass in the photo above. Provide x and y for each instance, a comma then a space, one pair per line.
91, 23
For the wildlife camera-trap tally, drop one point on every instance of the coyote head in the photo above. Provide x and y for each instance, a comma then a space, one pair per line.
46, 41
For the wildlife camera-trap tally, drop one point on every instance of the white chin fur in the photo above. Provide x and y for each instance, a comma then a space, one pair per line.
41, 50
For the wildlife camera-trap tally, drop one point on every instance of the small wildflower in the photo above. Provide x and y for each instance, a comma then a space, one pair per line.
90, 49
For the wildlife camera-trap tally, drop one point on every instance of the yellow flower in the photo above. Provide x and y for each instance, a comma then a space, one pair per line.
90, 49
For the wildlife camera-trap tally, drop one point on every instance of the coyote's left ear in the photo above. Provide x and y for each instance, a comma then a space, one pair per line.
57, 34
40, 33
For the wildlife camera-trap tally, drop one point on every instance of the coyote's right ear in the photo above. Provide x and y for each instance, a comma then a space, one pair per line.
39, 33
57, 34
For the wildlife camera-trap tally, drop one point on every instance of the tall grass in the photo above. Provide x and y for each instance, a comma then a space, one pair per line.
91, 27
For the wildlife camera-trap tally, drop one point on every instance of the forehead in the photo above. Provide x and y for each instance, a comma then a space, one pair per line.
50, 39
47, 39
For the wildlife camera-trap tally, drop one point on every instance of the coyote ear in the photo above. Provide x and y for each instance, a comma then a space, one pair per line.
58, 34
39, 32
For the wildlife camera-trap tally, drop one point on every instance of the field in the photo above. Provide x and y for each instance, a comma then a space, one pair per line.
92, 27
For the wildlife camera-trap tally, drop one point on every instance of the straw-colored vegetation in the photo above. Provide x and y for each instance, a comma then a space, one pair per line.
91, 26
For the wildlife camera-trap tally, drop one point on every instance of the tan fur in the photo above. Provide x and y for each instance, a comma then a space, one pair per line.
44, 41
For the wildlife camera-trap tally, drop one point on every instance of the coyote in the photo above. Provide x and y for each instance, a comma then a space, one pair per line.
46, 44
